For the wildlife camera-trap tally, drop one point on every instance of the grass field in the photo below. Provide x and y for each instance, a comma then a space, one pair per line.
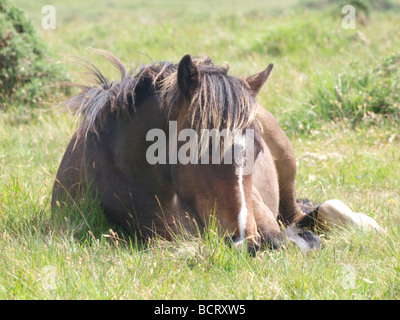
335, 91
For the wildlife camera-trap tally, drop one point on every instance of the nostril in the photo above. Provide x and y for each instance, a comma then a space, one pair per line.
234, 238
253, 249
231, 239
254, 246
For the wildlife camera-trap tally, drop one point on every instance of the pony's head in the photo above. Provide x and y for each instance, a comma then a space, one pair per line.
217, 142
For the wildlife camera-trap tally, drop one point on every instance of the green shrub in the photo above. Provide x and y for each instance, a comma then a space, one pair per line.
25, 71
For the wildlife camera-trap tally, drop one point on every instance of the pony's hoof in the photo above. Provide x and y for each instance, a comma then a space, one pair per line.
312, 240
305, 240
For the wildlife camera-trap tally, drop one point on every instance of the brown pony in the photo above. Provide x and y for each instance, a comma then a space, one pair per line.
108, 154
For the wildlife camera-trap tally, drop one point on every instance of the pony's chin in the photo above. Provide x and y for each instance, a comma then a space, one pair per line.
239, 245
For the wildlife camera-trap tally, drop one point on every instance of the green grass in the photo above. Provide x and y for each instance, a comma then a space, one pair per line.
352, 156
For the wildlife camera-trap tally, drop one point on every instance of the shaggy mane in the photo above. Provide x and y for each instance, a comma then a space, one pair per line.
221, 101
94, 103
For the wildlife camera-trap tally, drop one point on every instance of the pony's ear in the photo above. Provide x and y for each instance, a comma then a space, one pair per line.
257, 80
188, 77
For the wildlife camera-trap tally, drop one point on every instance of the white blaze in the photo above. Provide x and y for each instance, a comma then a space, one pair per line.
242, 217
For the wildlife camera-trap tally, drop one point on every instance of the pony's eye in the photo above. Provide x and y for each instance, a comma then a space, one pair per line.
257, 149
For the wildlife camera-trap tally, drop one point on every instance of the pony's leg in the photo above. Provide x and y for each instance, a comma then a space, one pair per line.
267, 224
289, 209
285, 162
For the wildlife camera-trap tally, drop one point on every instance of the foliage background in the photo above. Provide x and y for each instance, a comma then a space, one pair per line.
26, 71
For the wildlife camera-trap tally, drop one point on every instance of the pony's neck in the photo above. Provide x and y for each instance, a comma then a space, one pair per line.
128, 144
